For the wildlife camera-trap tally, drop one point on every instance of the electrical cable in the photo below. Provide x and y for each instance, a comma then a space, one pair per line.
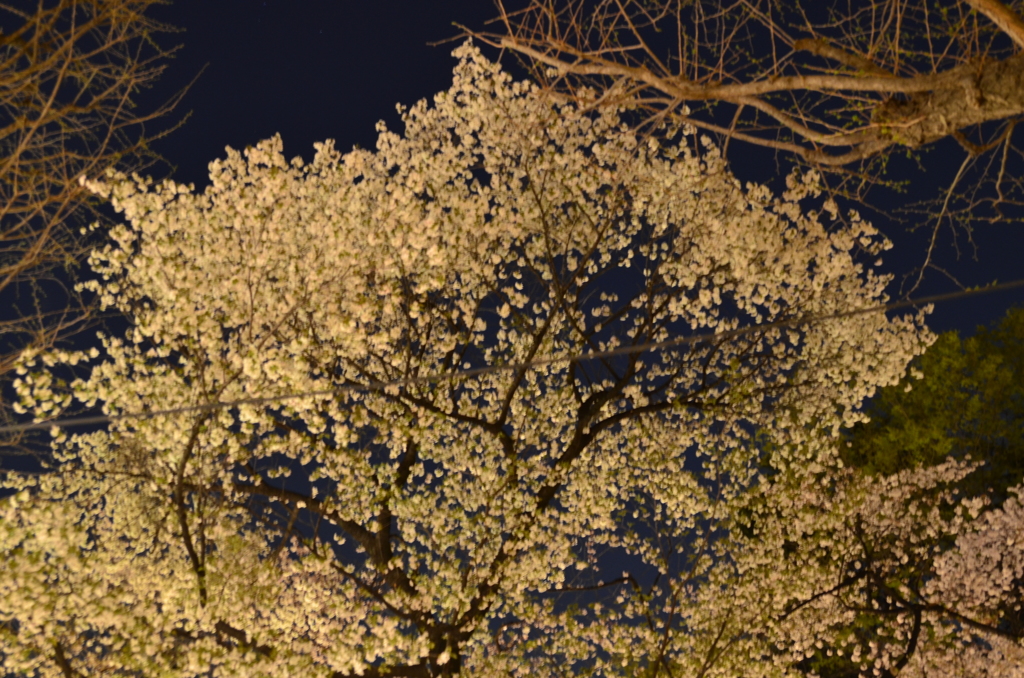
512, 367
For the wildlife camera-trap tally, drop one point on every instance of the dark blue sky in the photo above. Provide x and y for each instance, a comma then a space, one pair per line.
307, 69
317, 69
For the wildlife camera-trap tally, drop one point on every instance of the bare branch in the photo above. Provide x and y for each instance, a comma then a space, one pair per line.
836, 86
69, 74
1001, 16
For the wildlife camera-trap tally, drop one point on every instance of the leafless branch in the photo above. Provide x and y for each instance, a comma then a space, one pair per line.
70, 72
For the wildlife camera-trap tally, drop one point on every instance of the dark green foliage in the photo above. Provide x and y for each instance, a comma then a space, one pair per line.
970, 402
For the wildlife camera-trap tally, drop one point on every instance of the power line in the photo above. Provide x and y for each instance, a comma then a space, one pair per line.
512, 367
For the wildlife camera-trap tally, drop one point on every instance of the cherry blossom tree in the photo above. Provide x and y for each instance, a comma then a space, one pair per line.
412, 514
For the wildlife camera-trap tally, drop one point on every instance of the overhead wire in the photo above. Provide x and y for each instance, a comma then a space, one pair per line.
464, 374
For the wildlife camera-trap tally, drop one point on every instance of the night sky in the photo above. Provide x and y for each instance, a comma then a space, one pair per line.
307, 69
317, 69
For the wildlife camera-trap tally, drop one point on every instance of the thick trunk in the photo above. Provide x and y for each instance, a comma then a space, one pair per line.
975, 93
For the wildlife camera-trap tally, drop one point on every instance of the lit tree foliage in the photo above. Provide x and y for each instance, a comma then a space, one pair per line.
436, 527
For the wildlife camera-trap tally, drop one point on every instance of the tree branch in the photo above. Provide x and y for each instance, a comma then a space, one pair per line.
1003, 17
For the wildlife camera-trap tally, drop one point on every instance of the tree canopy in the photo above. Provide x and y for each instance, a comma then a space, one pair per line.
406, 518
